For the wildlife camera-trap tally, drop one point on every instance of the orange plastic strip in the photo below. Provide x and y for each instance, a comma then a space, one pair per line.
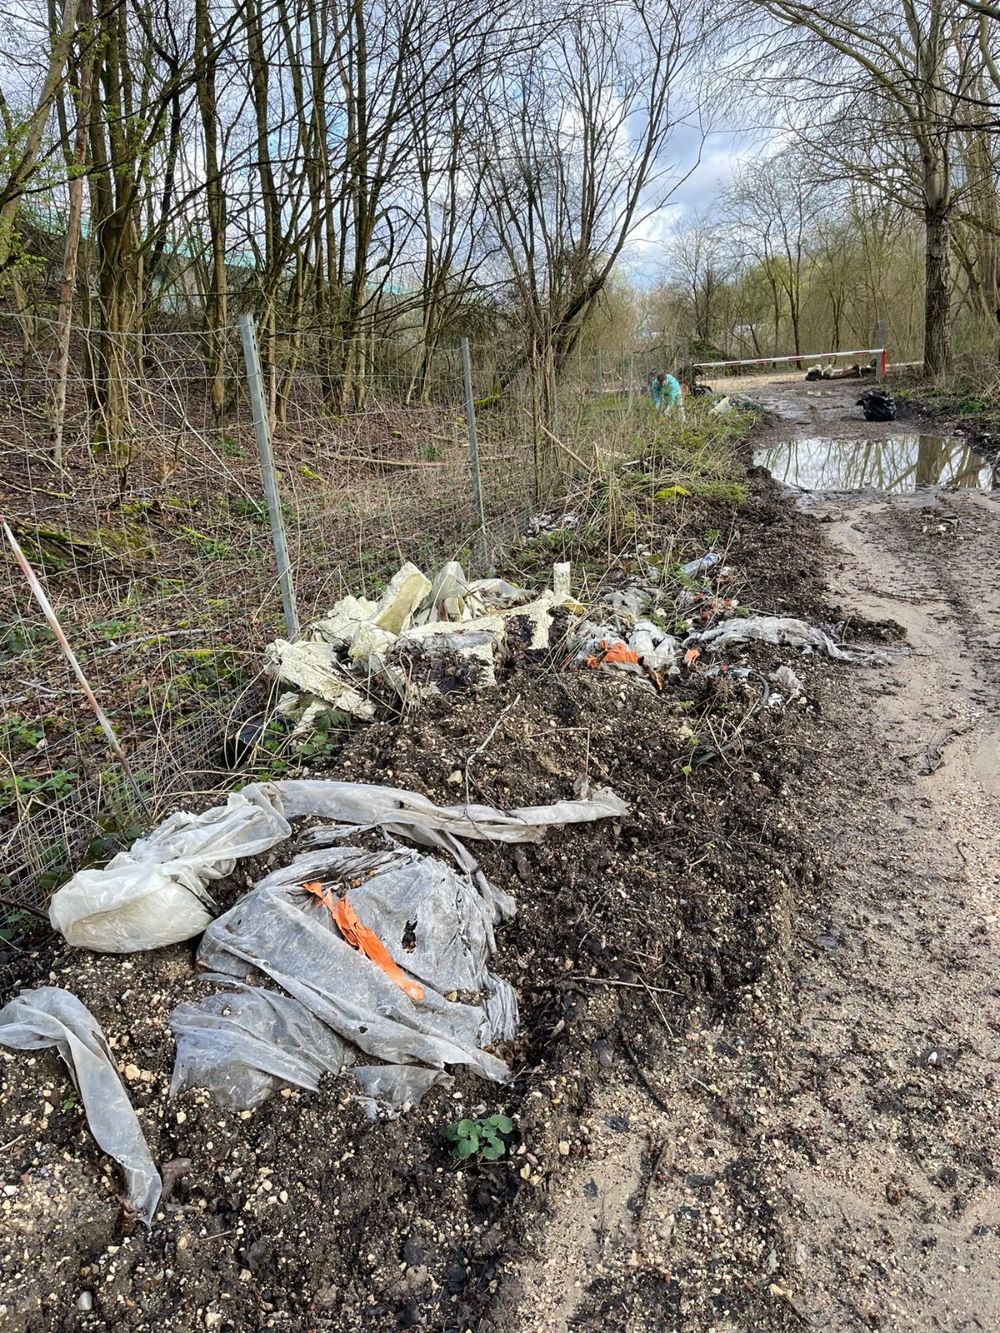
367, 942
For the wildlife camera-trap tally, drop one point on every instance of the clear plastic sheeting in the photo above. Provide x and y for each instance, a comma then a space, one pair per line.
396, 1087
434, 918
784, 631
51, 1016
423, 912
407, 813
243, 1043
155, 893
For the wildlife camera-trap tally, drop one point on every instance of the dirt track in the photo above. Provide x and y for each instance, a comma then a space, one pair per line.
834, 1166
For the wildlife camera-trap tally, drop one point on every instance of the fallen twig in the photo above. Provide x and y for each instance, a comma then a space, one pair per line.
642, 1074
567, 450
484, 743
631, 985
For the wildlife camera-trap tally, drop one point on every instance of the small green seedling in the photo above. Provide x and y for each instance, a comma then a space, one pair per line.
469, 1138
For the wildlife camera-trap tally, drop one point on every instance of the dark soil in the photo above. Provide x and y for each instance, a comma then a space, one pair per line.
304, 1215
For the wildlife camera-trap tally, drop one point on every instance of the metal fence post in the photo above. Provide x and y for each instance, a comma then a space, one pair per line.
255, 383
470, 422
880, 344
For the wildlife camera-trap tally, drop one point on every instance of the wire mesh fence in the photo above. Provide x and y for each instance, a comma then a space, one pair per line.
151, 537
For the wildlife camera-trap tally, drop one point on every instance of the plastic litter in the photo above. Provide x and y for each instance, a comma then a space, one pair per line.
655, 648
553, 523
707, 561
241, 1044
51, 1016
360, 937
644, 654
433, 927
786, 678
630, 602
785, 631
155, 893
877, 405
275, 931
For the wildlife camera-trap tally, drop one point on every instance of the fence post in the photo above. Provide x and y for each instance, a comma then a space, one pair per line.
255, 383
880, 344
470, 422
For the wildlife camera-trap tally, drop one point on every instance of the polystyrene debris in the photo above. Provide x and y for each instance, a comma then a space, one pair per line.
361, 650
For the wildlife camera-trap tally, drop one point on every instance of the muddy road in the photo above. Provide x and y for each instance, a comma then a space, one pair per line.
831, 1162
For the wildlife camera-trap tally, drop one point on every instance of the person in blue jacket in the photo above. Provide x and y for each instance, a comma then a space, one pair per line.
665, 391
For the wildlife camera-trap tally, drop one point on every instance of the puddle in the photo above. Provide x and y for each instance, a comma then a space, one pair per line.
903, 463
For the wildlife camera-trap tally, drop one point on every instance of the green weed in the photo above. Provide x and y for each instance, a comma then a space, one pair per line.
479, 1138
243, 507
209, 548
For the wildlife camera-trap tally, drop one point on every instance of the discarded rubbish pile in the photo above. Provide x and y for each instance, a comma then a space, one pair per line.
877, 405
424, 636
731, 403
346, 959
831, 371
633, 640
434, 636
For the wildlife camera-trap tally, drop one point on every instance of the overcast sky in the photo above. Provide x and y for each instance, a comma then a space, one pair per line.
721, 153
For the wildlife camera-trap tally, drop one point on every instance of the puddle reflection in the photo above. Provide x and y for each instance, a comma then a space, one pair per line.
900, 464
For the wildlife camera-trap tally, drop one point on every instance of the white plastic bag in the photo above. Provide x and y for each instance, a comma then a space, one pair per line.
784, 630
155, 894
51, 1016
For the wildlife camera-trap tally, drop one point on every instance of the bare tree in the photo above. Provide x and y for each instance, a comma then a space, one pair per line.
774, 203
573, 157
893, 73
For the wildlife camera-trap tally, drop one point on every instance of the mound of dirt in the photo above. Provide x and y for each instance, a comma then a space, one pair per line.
305, 1215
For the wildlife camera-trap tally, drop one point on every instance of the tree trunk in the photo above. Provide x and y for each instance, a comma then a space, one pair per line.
72, 250
215, 198
937, 291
